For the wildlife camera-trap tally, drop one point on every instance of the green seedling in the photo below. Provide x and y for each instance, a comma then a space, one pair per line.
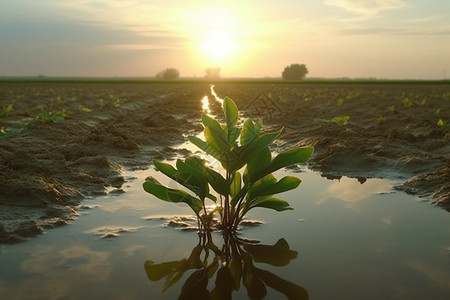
84, 109
407, 102
101, 103
247, 164
5, 133
391, 108
338, 120
6, 110
445, 126
341, 120
423, 102
60, 99
53, 116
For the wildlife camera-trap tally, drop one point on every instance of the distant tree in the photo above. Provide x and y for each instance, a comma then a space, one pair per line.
294, 72
169, 73
212, 72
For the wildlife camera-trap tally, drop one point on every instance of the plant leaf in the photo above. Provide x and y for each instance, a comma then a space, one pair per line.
194, 176
199, 143
256, 163
262, 142
233, 135
210, 122
242, 155
270, 202
284, 159
248, 133
231, 112
218, 145
268, 185
152, 186
235, 184
187, 179
217, 182
231, 117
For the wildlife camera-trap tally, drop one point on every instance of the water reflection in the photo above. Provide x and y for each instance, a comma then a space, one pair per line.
205, 105
353, 190
213, 92
233, 265
436, 274
51, 273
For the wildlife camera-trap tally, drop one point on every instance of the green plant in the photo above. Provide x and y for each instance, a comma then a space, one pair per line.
84, 109
245, 157
6, 110
341, 120
53, 116
391, 108
407, 102
5, 133
338, 120
445, 126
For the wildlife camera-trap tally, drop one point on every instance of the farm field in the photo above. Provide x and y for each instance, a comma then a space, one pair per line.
370, 219
63, 142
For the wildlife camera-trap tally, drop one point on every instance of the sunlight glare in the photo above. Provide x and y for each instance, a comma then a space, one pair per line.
218, 44
205, 105
216, 35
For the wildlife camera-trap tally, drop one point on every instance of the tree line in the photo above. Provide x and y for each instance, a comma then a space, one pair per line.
291, 72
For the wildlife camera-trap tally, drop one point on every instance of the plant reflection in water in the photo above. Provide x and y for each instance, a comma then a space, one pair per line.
233, 265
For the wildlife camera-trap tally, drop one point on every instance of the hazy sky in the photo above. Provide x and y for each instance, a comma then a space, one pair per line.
333, 38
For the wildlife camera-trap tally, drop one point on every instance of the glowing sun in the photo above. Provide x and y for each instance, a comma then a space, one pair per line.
218, 45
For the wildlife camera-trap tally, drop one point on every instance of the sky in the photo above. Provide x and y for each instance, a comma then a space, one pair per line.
392, 39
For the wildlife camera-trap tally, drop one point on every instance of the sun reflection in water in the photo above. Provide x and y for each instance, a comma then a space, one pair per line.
205, 105
213, 92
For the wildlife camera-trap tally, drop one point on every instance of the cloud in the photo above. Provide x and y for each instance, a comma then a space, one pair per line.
412, 31
437, 274
351, 191
370, 31
423, 19
366, 7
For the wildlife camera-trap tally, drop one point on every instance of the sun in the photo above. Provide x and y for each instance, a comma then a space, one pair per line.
218, 45
216, 36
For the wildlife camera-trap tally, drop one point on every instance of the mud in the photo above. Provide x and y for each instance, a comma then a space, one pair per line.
48, 167
392, 131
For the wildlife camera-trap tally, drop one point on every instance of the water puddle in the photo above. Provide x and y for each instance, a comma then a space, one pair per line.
345, 239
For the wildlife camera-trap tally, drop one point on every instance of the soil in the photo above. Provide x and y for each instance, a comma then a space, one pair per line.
48, 166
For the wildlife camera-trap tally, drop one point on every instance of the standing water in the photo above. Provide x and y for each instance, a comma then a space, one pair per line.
343, 240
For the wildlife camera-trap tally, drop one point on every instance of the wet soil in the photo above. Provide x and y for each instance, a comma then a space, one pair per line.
87, 133
393, 131
49, 167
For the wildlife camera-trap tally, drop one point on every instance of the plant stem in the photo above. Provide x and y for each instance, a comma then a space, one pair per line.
226, 221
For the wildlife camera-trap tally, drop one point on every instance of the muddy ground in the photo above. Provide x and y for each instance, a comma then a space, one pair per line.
50, 163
